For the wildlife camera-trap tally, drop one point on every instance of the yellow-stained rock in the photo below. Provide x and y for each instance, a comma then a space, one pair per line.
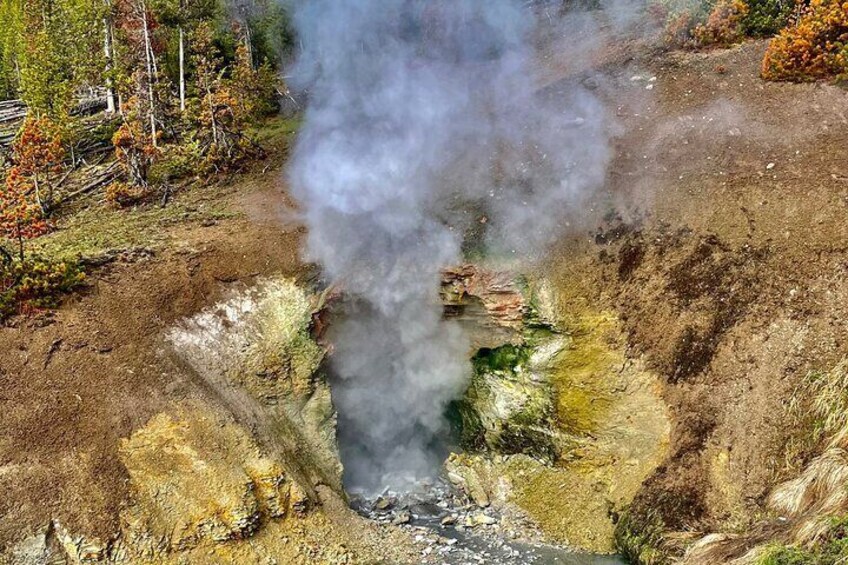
256, 351
611, 426
196, 477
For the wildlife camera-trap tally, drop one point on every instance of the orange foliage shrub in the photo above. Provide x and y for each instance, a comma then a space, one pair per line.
121, 194
679, 28
21, 217
723, 25
227, 106
28, 191
134, 149
816, 46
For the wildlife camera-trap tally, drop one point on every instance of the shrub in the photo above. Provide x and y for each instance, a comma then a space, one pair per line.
35, 283
39, 158
177, 161
227, 106
122, 194
679, 19
724, 24
815, 47
767, 17
254, 90
134, 147
679, 29
27, 191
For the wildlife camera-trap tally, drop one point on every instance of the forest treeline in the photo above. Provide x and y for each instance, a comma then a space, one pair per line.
174, 84
810, 36
49, 49
169, 89
176, 71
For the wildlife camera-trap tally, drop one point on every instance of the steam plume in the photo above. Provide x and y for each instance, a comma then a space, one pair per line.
423, 119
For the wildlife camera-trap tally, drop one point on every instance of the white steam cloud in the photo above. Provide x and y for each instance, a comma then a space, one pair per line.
423, 120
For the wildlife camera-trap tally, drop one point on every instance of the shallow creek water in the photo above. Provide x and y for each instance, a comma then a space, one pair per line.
454, 532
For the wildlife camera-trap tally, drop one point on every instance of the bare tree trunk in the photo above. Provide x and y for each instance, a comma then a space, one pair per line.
152, 59
38, 200
148, 51
182, 71
107, 52
211, 102
248, 43
20, 242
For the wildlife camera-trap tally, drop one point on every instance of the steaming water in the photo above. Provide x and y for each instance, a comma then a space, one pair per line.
426, 504
421, 111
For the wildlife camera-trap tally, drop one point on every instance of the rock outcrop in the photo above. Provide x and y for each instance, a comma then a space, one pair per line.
200, 478
248, 473
257, 354
559, 423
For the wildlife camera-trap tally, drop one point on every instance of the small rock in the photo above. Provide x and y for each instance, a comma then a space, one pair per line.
402, 518
479, 519
383, 503
590, 83
449, 520
770, 166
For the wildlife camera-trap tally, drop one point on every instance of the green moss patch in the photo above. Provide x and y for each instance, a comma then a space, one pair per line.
640, 540
504, 360
506, 408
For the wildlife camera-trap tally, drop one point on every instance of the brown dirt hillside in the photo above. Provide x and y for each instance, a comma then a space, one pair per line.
73, 383
721, 242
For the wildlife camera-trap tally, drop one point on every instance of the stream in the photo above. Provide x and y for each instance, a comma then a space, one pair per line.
456, 532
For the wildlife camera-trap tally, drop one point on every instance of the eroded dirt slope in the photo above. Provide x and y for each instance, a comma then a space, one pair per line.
75, 382
721, 243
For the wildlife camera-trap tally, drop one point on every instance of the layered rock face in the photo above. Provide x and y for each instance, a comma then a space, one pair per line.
557, 422
509, 406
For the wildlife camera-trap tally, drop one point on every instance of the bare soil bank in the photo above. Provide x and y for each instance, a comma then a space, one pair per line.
721, 243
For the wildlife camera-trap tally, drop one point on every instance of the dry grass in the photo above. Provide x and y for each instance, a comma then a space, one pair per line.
804, 507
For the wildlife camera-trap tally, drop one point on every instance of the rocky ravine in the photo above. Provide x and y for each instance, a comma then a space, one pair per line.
254, 476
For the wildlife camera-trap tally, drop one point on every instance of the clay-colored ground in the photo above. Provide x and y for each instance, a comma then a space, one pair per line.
721, 244
77, 381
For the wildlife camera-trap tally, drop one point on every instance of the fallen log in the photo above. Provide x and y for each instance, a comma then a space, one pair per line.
14, 111
109, 174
